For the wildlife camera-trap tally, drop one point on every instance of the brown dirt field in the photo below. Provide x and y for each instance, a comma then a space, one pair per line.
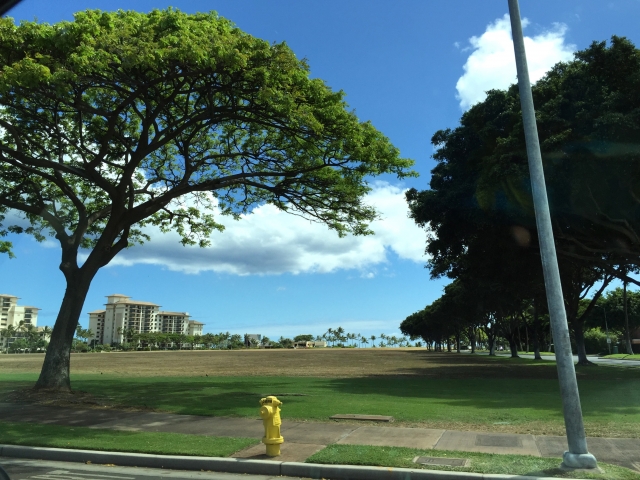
309, 363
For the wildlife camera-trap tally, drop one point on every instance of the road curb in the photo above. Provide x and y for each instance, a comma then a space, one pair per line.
173, 462
252, 467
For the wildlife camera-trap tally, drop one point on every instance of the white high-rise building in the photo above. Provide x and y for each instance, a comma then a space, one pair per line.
122, 314
11, 314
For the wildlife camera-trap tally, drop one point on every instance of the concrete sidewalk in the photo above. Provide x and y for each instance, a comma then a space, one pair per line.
303, 439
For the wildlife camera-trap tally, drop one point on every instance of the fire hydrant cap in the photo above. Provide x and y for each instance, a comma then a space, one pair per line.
271, 400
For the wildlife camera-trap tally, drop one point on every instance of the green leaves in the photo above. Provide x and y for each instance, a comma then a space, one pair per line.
588, 114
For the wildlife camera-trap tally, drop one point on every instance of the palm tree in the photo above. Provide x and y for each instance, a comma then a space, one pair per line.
328, 335
364, 340
127, 334
373, 340
8, 333
31, 336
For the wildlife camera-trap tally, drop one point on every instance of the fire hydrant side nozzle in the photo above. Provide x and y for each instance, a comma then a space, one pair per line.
270, 414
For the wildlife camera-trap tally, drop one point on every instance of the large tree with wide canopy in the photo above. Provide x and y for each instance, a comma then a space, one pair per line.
118, 121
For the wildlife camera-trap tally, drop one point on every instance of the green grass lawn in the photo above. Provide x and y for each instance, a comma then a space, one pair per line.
83, 438
623, 356
610, 398
479, 462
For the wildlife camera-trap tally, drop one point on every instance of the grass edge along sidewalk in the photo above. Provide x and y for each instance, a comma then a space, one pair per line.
485, 463
84, 438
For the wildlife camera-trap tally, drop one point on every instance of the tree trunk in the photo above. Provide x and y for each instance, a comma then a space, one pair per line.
491, 339
513, 345
458, 341
472, 339
578, 332
55, 369
536, 331
519, 339
513, 331
626, 321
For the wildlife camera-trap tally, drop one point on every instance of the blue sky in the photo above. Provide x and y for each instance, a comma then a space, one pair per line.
409, 66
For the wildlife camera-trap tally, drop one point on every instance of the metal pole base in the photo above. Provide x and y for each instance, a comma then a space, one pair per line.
579, 460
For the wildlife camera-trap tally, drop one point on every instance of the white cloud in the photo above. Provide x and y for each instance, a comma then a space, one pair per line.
491, 64
269, 241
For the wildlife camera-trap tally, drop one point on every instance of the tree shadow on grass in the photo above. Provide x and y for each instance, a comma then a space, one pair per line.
448, 386
407, 398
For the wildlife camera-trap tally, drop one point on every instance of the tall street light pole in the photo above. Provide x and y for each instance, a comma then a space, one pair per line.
578, 455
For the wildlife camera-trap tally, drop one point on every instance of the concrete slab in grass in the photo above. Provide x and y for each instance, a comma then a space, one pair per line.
315, 433
442, 461
423, 438
488, 443
289, 452
366, 418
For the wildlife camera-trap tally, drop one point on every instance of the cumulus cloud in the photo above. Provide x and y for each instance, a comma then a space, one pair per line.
491, 64
268, 241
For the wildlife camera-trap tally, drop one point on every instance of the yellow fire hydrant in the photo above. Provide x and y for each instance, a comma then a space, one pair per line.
270, 414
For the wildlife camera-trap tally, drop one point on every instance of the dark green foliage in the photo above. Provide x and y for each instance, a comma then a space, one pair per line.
303, 338
588, 115
479, 209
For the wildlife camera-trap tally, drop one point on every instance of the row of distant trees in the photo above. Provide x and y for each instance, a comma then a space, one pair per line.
445, 327
338, 337
26, 338
481, 223
166, 341
224, 340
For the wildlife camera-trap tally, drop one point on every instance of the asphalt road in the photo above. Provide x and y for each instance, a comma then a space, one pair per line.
19, 469
594, 359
